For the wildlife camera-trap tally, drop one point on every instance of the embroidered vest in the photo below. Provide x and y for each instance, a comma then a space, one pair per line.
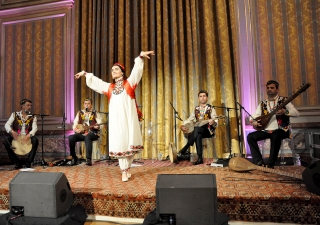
205, 116
92, 118
283, 120
17, 123
130, 92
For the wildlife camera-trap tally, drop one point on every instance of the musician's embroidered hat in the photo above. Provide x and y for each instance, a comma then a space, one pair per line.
24, 101
120, 65
273, 82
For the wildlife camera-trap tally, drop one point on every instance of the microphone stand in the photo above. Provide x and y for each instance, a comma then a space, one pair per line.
229, 126
241, 107
63, 125
176, 116
43, 162
107, 158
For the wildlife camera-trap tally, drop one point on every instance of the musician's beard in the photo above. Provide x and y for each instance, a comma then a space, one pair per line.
271, 94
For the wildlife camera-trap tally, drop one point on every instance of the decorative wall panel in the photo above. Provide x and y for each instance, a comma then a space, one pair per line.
35, 56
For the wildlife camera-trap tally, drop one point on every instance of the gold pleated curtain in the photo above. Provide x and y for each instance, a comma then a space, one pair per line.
289, 55
194, 46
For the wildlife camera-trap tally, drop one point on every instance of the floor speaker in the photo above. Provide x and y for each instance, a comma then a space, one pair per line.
187, 199
40, 194
311, 177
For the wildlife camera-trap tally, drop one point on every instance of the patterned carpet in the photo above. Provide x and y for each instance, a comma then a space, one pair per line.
252, 196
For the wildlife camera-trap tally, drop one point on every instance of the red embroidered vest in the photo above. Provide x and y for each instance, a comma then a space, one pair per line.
17, 123
92, 119
130, 92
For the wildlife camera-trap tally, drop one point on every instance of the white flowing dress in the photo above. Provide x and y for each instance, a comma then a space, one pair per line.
124, 127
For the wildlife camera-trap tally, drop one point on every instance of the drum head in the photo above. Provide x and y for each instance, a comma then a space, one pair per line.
21, 148
173, 153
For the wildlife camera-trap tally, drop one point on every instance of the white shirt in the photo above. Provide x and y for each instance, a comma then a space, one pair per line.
273, 123
8, 125
192, 117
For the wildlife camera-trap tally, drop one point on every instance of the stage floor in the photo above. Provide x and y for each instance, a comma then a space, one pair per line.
254, 196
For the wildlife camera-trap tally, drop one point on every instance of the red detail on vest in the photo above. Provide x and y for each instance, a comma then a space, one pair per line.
130, 92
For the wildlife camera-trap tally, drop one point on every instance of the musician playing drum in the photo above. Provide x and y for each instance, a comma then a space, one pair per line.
278, 127
202, 112
22, 126
86, 128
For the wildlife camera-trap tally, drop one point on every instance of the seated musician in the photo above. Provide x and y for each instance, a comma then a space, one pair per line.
86, 129
202, 112
276, 129
22, 126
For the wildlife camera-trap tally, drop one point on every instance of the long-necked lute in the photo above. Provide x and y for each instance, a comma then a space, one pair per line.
310, 175
265, 119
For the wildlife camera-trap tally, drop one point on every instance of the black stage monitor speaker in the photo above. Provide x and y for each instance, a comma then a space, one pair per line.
40, 194
187, 199
311, 177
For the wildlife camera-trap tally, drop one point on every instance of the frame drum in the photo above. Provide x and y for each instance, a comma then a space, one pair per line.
21, 148
173, 153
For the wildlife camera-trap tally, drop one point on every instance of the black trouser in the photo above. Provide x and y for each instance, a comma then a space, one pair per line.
196, 137
88, 139
13, 157
275, 144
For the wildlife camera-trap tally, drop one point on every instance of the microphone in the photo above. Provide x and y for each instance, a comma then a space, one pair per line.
27, 112
87, 109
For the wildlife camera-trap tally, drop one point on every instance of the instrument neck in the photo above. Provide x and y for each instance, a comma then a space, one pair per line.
280, 172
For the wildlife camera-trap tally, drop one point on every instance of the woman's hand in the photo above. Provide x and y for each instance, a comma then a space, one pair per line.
80, 74
146, 54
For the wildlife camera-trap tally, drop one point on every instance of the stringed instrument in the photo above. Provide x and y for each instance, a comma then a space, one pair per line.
190, 126
310, 176
84, 128
59, 161
265, 119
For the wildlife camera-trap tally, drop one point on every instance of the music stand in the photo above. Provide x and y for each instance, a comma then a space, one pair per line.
43, 162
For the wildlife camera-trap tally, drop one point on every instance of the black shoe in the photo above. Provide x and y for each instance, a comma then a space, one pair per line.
89, 162
183, 156
271, 166
28, 165
261, 163
74, 161
199, 161
17, 166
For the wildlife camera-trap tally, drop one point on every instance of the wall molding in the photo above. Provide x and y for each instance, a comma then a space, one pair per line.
17, 5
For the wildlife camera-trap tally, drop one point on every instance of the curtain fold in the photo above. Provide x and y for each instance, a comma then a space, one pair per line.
192, 41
